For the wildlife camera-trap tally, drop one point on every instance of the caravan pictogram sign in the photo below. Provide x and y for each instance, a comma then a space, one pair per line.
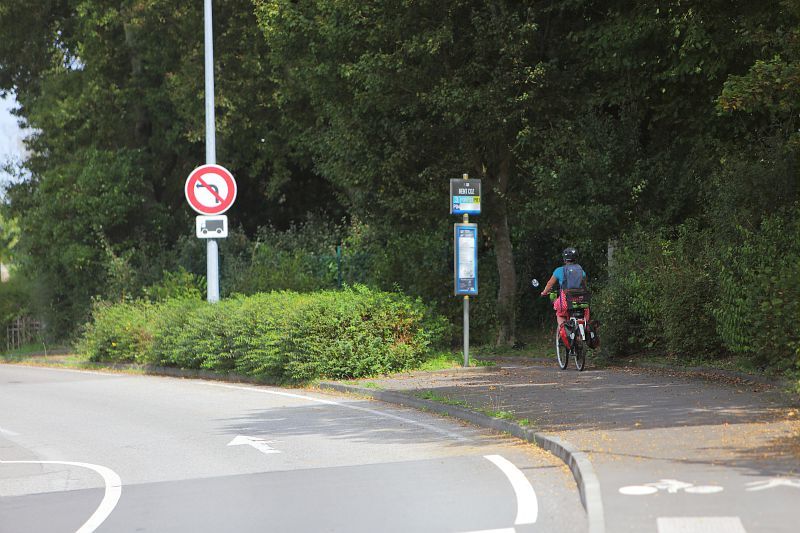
210, 189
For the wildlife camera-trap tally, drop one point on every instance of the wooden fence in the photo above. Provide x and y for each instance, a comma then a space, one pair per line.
22, 331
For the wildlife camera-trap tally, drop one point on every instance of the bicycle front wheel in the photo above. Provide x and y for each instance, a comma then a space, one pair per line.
561, 352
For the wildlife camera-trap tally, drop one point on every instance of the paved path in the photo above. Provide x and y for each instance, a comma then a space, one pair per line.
673, 452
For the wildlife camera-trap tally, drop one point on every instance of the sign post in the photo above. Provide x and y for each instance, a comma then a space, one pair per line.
212, 250
465, 199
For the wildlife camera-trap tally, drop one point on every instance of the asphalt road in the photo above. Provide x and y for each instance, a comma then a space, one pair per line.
85, 451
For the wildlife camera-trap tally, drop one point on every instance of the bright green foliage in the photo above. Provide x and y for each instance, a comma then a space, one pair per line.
180, 285
759, 302
281, 335
119, 331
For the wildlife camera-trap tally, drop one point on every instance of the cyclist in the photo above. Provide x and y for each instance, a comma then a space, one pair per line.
569, 276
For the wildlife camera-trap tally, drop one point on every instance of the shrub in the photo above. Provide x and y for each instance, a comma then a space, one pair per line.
760, 292
660, 295
285, 336
119, 333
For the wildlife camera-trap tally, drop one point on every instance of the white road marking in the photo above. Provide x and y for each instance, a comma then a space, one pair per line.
257, 443
110, 498
700, 524
527, 505
505, 530
429, 427
8, 432
772, 483
673, 486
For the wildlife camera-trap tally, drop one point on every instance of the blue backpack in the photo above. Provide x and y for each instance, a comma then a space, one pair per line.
573, 277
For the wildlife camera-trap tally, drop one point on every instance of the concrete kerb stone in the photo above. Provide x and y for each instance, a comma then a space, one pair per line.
577, 461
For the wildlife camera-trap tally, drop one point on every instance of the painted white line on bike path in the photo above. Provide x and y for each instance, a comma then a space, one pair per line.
110, 498
429, 427
700, 524
527, 505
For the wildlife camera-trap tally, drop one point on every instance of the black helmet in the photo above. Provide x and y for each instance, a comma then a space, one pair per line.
570, 254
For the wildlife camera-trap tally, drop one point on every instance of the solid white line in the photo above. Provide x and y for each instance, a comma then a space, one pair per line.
110, 498
527, 504
429, 427
73, 370
700, 524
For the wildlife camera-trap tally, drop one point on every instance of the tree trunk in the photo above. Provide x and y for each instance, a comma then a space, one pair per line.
501, 237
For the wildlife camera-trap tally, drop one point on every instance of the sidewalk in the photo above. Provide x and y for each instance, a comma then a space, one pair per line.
633, 427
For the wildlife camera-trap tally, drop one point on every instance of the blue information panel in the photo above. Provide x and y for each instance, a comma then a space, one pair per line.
466, 259
465, 197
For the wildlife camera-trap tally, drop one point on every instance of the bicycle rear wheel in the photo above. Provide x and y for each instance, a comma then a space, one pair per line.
561, 351
580, 354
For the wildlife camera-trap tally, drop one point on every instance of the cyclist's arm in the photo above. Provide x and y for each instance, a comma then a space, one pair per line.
549, 285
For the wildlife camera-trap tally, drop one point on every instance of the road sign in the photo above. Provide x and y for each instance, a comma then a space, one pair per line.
211, 227
466, 259
465, 197
210, 189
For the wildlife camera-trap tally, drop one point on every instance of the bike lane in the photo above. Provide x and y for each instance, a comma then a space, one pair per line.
674, 452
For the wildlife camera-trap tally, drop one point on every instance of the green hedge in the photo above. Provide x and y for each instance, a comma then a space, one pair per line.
696, 295
283, 336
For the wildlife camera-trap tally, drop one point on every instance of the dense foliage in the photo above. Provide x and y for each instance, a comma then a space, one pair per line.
665, 127
283, 336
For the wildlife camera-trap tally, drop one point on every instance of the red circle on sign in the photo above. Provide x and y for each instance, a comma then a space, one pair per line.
210, 189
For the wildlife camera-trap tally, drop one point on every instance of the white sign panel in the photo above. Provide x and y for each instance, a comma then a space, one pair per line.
466, 259
215, 227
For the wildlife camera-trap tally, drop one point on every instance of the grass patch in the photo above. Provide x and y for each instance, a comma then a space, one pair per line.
35, 349
449, 360
370, 385
503, 415
432, 396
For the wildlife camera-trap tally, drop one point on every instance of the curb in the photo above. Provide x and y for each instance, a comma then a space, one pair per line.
577, 461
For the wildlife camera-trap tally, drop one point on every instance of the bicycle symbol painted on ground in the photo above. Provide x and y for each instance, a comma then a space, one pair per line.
672, 486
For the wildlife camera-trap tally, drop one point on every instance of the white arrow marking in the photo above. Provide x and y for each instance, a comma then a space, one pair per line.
257, 443
772, 483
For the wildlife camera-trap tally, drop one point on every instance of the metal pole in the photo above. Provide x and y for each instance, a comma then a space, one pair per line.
211, 141
466, 331
466, 311
339, 266
212, 251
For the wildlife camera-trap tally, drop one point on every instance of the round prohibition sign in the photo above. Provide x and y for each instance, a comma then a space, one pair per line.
210, 189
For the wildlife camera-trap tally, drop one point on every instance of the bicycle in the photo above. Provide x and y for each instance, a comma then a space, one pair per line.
575, 335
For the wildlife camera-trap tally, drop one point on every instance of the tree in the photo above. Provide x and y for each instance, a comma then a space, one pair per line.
113, 92
391, 99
